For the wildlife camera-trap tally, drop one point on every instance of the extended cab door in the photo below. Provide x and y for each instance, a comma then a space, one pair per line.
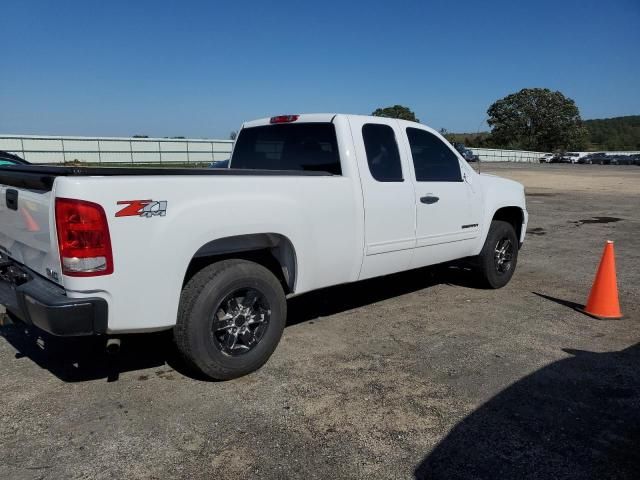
388, 196
448, 208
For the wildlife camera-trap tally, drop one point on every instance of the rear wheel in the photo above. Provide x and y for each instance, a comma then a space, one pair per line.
499, 256
231, 317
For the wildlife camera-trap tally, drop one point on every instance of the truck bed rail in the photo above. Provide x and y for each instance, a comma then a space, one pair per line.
37, 177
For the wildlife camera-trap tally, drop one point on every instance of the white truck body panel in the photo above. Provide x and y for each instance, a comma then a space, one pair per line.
316, 214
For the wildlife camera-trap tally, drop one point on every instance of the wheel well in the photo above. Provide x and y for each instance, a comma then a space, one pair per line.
512, 215
273, 251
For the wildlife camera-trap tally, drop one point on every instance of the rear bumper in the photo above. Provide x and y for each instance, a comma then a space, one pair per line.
43, 304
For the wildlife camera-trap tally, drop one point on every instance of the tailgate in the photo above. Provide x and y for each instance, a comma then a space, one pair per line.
26, 230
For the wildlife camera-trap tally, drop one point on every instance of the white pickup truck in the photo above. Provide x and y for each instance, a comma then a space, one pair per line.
309, 201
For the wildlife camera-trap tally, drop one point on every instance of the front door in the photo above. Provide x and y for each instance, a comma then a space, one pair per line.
446, 220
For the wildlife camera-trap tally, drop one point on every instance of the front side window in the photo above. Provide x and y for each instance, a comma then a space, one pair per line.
382, 152
433, 161
302, 146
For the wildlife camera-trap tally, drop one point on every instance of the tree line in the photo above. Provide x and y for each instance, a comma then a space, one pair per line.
605, 134
618, 133
540, 119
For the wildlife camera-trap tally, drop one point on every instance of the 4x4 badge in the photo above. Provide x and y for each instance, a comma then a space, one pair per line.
142, 208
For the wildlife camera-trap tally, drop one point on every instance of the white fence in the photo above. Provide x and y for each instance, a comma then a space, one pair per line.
51, 149
495, 155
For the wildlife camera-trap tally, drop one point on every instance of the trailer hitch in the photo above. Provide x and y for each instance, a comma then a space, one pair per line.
10, 272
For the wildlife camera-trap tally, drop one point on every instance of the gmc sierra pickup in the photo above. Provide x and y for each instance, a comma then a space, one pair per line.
308, 201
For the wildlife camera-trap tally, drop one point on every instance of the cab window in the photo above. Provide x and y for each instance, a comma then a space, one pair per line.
382, 152
296, 146
433, 160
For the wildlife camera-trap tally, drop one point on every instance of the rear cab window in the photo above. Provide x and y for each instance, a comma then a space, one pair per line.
383, 156
291, 146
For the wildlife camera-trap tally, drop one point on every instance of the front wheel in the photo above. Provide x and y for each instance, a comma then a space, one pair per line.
231, 317
499, 256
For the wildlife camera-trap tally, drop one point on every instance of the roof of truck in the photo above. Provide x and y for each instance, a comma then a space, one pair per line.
303, 118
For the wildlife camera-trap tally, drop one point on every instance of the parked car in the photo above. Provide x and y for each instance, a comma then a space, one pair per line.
599, 158
7, 158
547, 157
467, 154
585, 159
213, 253
570, 157
622, 160
219, 164
560, 158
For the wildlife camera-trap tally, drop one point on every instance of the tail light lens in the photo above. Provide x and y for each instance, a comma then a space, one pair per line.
83, 238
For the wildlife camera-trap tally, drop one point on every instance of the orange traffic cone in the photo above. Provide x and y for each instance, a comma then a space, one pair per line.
603, 301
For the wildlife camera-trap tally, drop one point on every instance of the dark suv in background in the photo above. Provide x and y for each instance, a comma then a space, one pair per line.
7, 158
599, 158
623, 160
467, 154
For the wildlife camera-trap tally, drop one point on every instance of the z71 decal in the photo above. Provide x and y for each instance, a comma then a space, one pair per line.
142, 208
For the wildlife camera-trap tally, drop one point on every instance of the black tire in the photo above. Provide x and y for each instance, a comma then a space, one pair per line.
494, 269
209, 350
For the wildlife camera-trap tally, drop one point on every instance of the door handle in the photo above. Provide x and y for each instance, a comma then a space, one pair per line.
429, 199
12, 199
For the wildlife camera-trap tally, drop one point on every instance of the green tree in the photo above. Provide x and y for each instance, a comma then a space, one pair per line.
536, 119
397, 111
619, 133
451, 137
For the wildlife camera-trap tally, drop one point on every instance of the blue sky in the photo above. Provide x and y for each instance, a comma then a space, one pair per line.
198, 69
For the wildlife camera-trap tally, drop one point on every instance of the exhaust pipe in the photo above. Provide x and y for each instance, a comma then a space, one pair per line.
113, 346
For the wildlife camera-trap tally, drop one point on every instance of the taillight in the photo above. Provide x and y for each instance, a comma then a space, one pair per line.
83, 238
284, 118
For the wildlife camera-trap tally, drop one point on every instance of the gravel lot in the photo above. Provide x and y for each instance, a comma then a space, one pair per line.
414, 375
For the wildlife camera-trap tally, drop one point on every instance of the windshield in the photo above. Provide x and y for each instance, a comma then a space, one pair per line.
302, 146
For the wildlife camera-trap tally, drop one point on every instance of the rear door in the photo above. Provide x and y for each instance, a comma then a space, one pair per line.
447, 206
388, 196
